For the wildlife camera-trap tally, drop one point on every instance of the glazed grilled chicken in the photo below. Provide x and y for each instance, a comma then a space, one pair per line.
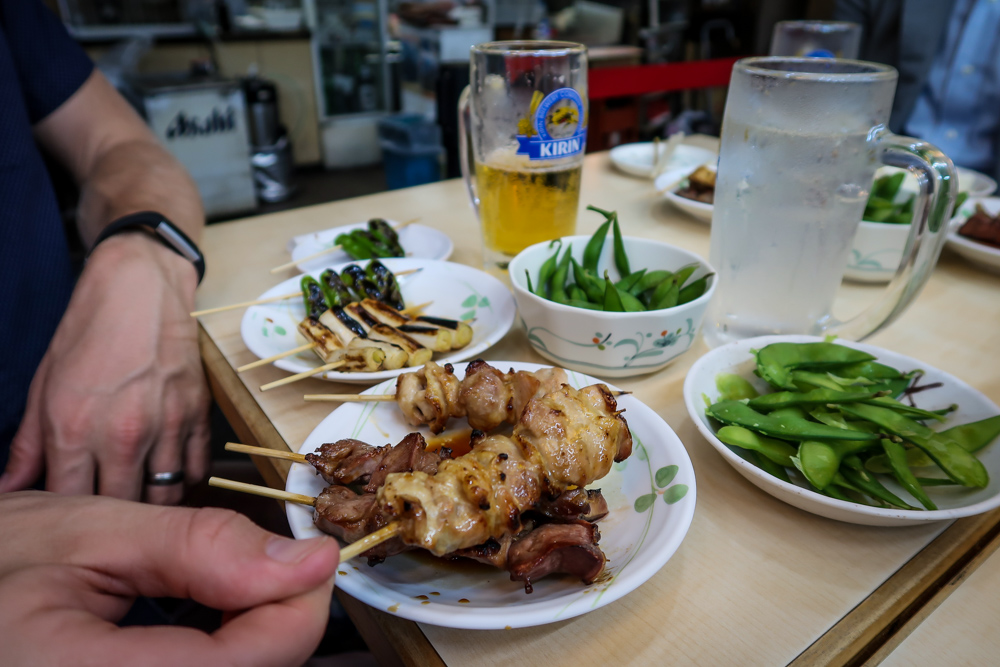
567, 438
487, 396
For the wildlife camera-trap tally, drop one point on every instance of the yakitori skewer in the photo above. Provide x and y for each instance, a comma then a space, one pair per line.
302, 376
347, 553
272, 299
411, 311
289, 265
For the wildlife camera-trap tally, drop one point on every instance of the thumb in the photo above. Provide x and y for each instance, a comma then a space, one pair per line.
26, 455
216, 557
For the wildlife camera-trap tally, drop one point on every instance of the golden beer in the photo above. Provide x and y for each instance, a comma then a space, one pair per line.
521, 206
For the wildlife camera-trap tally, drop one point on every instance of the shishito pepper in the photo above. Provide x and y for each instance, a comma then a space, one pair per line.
313, 297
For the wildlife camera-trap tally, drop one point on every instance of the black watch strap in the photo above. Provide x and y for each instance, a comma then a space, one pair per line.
162, 229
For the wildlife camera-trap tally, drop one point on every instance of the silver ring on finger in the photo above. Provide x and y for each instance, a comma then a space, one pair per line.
165, 478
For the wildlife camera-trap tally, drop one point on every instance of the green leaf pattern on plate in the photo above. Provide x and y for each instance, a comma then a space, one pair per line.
661, 486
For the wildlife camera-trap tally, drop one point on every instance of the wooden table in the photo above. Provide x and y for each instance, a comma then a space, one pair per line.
755, 581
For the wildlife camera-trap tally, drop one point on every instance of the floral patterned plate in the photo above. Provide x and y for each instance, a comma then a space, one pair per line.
651, 496
457, 291
418, 241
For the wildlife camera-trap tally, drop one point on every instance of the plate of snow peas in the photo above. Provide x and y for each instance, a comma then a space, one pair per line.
849, 431
581, 284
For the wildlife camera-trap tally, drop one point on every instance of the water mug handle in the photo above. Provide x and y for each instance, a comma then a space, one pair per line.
938, 184
465, 148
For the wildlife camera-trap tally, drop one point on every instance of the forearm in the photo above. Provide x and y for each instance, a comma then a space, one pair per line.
133, 176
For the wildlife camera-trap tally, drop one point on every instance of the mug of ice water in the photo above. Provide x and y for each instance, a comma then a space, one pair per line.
801, 139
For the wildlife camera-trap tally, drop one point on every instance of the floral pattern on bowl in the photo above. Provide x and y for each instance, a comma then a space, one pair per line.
610, 344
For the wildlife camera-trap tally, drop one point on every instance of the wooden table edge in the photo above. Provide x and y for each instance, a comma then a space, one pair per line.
870, 631
392, 640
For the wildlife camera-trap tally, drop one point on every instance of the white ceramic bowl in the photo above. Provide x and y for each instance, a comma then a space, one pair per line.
984, 256
954, 502
651, 497
876, 251
610, 344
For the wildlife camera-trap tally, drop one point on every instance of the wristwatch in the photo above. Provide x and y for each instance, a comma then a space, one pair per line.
163, 230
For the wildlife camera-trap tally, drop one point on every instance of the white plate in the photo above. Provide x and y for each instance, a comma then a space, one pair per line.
696, 209
954, 502
418, 241
459, 292
984, 256
637, 543
637, 159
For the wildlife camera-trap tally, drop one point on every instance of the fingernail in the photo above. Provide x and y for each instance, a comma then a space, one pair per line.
289, 551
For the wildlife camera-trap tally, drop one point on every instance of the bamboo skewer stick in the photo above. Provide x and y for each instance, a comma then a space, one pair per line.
265, 452
415, 311
347, 553
275, 357
378, 398
350, 398
371, 540
291, 295
301, 376
289, 265
233, 306
265, 491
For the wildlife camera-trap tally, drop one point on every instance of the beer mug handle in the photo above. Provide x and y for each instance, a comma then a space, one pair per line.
465, 156
938, 183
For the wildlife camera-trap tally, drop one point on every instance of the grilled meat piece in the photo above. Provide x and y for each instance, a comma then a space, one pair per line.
568, 438
982, 227
348, 461
487, 396
568, 548
575, 505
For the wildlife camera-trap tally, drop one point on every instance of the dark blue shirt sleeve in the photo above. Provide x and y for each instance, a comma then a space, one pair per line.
50, 65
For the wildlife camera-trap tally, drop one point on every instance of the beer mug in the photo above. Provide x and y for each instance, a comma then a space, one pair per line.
801, 139
525, 112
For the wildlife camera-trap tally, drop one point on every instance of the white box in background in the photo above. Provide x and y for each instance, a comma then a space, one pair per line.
204, 126
351, 141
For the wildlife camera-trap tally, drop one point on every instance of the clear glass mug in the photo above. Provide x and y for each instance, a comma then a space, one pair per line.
801, 139
525, 113
816, 39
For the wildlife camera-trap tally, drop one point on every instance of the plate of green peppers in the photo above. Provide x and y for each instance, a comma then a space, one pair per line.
849, 431
374, 239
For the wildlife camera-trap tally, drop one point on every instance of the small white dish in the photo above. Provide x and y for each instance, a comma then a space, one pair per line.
984, 256
976, 183
610, 344
698, 210
954, 502
637, 159
419, 241
876, 251
457, 291
651, 496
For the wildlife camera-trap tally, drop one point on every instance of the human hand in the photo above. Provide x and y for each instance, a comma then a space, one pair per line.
71, 566
121, 389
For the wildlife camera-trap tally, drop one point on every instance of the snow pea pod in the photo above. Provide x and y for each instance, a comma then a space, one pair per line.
777, 451
621, 258
903, 408
665, 295
975, 435
650, 281
545, 272
856, 474
785, 399
612, 300
915, 458
821, 460
558, 292
776, 361
896, 455
957, 463
694, 290
788, 426
592, 252
733, 387
629, 281
770, 467
592, 286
